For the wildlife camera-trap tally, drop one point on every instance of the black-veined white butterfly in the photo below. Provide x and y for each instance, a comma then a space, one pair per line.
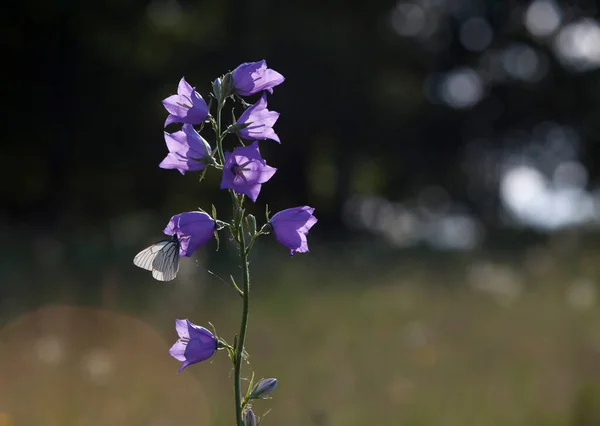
161, 258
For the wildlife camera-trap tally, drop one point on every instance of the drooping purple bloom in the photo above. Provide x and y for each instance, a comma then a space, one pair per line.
187, 150
195, 344
261, 122
263, 388
245, 171
253, 77
291, 226
187, 106
193, 229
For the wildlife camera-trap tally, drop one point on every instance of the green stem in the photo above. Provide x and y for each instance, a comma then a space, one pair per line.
239, 350
219, 133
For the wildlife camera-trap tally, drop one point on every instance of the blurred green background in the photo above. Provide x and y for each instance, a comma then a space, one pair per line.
450, 148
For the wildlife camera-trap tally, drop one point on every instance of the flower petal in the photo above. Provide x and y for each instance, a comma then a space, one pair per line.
171, 228
177, 351
171, 119
197, 227
244, 170
293, 240
176, 142
173, 105
184, 88
174, 161
197, 351
265, 173
252, 77
185, 148
182, 327
197, 332
185, 107
260, 120
290, 227
274, 79
197, 147
185, 365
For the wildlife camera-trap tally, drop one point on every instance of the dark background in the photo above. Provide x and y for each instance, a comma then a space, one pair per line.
85, 82
450, 149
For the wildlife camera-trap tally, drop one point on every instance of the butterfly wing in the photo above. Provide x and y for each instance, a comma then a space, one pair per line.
145, 259
166, 265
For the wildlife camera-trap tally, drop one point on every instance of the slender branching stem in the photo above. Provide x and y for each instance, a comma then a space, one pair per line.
239, 236
242, 336
220, 134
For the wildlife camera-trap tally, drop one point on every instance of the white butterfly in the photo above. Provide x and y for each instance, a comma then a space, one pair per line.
161, 258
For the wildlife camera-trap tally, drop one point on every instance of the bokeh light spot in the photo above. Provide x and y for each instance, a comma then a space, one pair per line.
476, 34
542, 18
462, 88
577, 45
408, 19
522, 62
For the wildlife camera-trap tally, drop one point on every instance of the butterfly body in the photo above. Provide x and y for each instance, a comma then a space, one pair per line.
162, 258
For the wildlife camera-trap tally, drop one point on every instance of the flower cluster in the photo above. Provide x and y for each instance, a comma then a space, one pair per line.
244, 169
243, 172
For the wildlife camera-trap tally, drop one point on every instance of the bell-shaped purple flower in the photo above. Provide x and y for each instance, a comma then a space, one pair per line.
245, 171
291, 226
193, 229
187, 150
187, 106
195, 344
253, 77
260, 122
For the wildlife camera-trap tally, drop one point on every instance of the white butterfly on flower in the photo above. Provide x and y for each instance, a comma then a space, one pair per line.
188, 232
161, 258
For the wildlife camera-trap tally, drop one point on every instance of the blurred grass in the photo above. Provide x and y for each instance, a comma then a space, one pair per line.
447, 340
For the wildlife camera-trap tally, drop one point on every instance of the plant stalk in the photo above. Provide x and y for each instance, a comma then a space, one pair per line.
239, 350
220, 133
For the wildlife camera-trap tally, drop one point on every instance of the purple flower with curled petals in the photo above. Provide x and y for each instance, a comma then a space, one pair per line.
187, 106
260, 122
291, 226
245, 171
253, 77
193, 229
195, 344
188, 151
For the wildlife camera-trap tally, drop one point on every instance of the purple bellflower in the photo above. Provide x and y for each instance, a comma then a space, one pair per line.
260, 122
188, 151
195, 344
193, 229
245, 171
187, 106
252, 77
291, 226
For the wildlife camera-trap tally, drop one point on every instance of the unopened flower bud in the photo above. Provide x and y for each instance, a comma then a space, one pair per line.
251, 224
227, 84
222, 87
263, 388
217, 87
249, 418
